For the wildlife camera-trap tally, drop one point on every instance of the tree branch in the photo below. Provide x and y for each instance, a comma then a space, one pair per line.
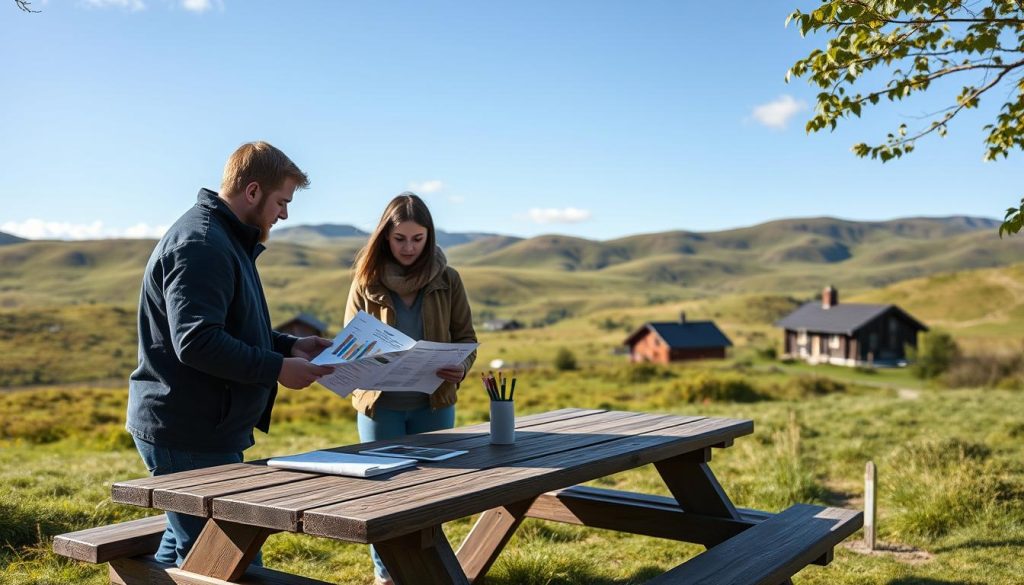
25, 5
951, 114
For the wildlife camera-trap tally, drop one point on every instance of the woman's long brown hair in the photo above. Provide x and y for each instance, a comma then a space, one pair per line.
405, 206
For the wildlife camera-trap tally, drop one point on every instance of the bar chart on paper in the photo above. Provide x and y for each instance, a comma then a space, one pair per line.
363, 337
350, 349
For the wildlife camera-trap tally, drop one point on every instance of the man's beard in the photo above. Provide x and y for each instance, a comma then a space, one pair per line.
256, 220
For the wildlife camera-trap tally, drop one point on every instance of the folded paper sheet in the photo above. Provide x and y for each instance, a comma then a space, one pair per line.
372, 355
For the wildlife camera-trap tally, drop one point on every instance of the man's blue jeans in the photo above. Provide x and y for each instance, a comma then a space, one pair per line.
182, 529
391, 424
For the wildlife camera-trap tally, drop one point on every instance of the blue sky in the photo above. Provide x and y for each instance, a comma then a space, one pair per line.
591, 118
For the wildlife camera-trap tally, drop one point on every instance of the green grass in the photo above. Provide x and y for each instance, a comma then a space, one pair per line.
66, 344
950, 471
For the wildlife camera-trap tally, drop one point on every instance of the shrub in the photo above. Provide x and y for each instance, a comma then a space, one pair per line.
706, 386
985, 370
565, 360
936, 351
645, 372
816, 386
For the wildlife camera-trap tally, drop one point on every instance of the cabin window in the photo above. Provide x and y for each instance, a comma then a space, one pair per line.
801, 337
835, 342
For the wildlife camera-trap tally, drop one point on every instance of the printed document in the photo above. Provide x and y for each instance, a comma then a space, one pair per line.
371, 355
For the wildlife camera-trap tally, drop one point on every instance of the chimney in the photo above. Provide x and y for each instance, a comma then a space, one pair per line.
829, 297
682, 316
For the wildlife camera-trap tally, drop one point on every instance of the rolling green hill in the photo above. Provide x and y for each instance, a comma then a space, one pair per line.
538, 278
786, 255
984, 303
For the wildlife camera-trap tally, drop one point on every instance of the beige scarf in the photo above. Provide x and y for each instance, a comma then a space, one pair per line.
394, 277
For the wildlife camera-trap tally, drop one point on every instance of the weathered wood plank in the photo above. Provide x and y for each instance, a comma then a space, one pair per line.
645, 514
421, 558
138, 492
146, 571
224, 550
386, 515
771, 552
281, 507
195, 500
488, 537
101, 544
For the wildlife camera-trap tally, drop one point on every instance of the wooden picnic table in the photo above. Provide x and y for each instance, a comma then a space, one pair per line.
402, 513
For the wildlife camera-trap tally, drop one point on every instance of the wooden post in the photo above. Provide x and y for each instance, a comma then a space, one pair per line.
870, 479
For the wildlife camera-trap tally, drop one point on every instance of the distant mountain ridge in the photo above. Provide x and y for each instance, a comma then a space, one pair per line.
325, 234
6, 238
806, 240
791, 256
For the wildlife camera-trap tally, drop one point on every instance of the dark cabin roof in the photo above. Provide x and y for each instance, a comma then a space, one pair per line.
684, 335
306, 319
843, 319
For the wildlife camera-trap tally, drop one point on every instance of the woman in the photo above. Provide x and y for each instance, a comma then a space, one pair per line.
402, 278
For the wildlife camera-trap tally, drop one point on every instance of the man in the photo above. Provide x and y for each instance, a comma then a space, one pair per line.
209, 363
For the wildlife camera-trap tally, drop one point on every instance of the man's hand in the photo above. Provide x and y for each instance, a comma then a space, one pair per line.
453, 374
309, 347
297, 373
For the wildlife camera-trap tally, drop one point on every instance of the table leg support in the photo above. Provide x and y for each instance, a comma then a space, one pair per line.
695, 487
489, 536
423, 557
225, 549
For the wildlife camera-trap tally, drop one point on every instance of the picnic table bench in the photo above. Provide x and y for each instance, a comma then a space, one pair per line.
537, 477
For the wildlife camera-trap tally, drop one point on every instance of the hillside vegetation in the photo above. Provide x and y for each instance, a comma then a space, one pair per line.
63, 304
790, 256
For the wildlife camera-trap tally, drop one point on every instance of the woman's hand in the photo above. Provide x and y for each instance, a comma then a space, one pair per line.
453, 374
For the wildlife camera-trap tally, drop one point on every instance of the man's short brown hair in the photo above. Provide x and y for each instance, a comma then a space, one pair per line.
263, 163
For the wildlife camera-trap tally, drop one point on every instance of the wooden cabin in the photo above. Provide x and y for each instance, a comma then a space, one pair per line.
303, 325
849, 334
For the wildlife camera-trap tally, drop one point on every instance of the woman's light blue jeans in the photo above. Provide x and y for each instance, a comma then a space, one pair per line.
391, 424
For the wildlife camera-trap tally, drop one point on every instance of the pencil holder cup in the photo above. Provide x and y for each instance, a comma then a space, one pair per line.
503, 422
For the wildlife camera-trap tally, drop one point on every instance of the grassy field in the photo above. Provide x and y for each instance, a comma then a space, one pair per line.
951, 473
951, 461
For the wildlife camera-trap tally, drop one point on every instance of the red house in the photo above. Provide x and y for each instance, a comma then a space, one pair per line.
682, 340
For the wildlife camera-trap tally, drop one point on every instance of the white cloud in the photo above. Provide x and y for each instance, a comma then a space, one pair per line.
132, 5
197, 5
456, 199
431, 186
552, 215
37, 229
777, 114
